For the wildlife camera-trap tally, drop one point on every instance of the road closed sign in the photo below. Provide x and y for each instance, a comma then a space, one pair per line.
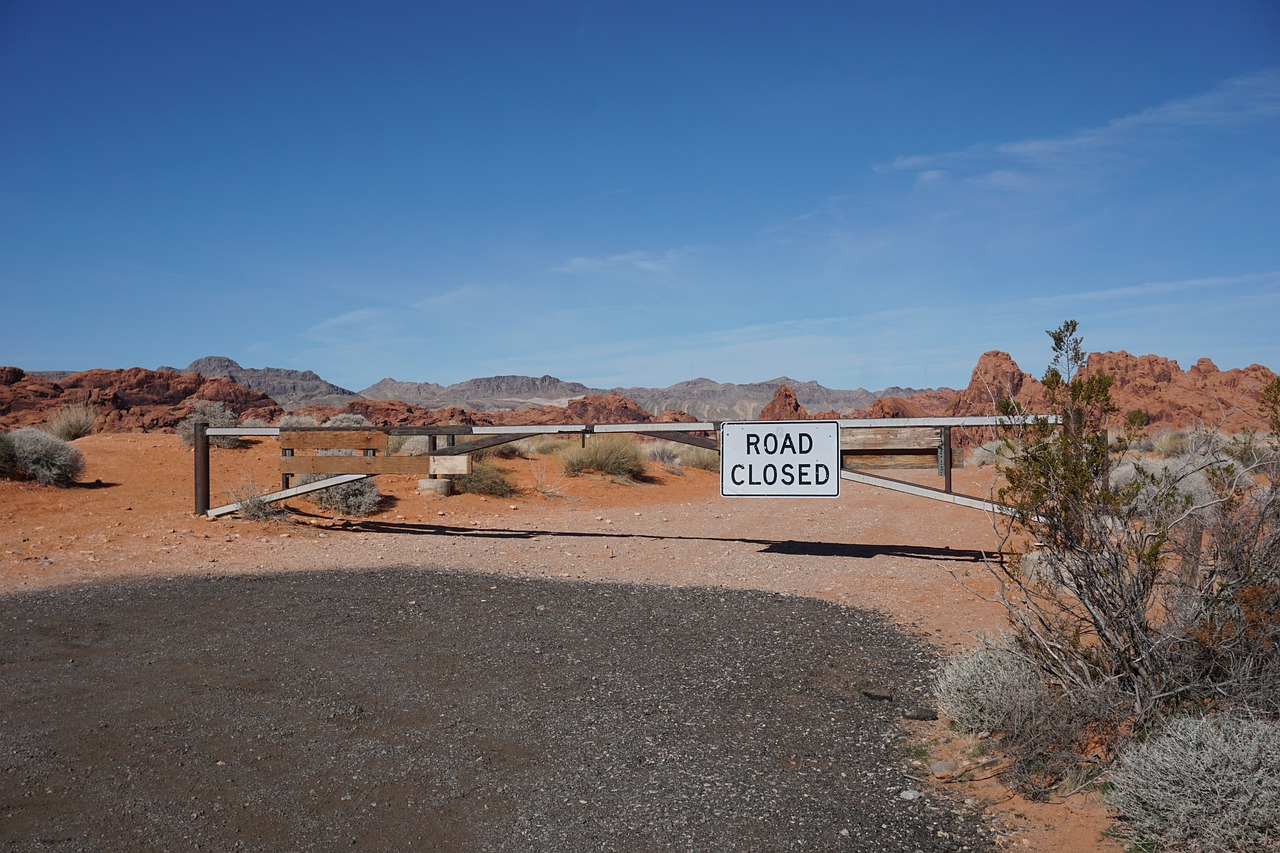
780, 459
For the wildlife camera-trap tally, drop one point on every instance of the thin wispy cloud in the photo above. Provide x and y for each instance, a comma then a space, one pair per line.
1156, 288
655, 264
1025, 164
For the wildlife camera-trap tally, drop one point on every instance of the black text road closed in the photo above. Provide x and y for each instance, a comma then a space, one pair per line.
780, 459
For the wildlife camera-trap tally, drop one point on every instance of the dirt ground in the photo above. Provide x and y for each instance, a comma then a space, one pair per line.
904, 558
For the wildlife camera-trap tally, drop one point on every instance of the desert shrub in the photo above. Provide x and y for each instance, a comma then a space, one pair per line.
416, 445
1155, 587
616, 455
48, 460
665, 454
545, 445
7, 458
252, 506
215, 414
355, 497
71, 422
1168, 443
699, 457
485, 479
292, 421
1203, 784
348, 419
985, 688
992, 453
254, 423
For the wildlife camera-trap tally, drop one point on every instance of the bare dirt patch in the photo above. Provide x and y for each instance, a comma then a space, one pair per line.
872, 550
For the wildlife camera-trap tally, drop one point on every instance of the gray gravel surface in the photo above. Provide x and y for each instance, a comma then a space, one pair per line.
409, 709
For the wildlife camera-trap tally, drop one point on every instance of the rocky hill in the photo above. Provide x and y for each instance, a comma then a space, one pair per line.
290, 388
124, 400
1168, 396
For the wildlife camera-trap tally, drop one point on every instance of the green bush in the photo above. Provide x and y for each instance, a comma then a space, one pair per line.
215, 414
71, 422
485, 479
616, 455
292, 421
1205, 784
41, 457
8, 461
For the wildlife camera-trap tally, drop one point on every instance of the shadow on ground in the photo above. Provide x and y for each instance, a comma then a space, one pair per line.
415, 709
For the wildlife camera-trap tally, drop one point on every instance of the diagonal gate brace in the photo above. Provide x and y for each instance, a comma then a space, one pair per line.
285, 494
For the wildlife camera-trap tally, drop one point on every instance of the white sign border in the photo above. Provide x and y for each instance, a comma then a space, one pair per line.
724, 468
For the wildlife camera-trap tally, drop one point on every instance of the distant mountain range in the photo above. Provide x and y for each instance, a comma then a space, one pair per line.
702, 398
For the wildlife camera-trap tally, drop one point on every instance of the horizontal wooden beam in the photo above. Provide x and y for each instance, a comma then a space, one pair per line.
328, 439
890, 439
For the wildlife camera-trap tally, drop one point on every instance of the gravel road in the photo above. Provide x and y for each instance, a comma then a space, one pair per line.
412, 709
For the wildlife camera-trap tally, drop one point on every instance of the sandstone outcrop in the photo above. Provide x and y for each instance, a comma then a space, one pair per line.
783, 407
124, 400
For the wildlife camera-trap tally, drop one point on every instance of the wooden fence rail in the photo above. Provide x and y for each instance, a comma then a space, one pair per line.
865, 443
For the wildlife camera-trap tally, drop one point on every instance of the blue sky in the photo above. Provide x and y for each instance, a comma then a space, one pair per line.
637, 192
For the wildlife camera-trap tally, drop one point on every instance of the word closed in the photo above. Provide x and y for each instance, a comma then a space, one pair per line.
797, 459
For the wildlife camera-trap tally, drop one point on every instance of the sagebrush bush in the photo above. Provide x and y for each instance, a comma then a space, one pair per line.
71, 422
1168, 443
984, 689
252, 506
292, 421
616, 455
254, 423
415, 445
41, 457
1203, 784
215, 414
664, 453
356, 497
348, 419
485, 479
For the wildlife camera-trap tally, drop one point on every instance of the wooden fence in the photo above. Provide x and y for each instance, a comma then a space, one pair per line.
865, 444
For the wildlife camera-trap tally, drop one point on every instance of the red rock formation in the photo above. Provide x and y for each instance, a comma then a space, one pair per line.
995, 378
1169, 396
894, 407
783, 407
124, 400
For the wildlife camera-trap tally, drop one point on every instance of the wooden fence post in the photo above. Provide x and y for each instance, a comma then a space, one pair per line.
202, 468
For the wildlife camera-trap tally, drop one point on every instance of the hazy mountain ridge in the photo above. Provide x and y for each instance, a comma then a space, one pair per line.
292, 389
703, 398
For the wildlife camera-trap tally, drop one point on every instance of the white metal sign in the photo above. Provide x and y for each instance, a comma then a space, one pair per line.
780, 459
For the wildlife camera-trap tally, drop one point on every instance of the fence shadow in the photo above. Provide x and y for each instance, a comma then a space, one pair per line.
792, 547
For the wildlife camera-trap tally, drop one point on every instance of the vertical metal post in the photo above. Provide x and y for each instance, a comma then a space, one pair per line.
202, 468
284, 478
946, 459
433, 442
